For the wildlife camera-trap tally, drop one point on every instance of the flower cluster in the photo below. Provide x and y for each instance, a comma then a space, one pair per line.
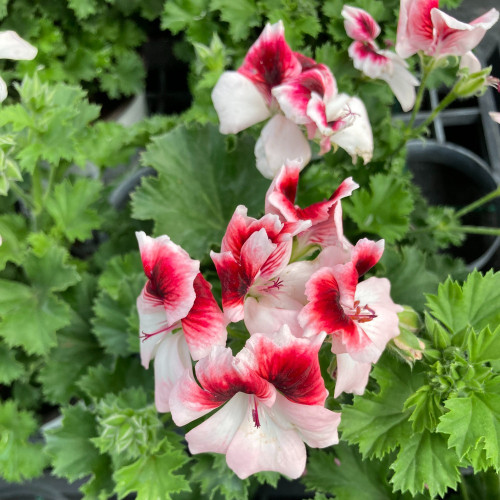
271, 394
296, 91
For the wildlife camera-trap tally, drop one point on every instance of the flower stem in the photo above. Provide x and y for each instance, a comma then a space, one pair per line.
426, 71
449, 98
476, 204
493, 231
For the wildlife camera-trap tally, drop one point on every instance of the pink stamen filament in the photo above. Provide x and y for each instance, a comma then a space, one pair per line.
255, 415
360, 315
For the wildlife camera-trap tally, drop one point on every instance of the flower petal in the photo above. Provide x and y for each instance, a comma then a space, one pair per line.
316, 425
12, 46
204, 326
352, 376
293, 96
366, 253
272, 446
289, 363
456, 38
171, 274
270, 61
359, 24
171, 361
238, 103
280, 140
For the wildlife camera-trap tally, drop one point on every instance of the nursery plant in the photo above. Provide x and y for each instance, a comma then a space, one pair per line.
275, 304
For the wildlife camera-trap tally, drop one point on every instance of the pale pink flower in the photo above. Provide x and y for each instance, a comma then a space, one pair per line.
374, 62
12, 46
178, 315
360, 317
273, 399
423, 27
495, 116
253, 253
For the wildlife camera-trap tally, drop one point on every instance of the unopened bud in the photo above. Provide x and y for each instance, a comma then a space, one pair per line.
472, 84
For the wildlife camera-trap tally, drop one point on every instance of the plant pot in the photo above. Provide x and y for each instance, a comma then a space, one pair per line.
451, 175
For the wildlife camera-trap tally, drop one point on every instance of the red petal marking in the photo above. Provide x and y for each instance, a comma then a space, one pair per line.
305, 62
270, 61
280, 196
359, 24
237, 231
291, 365
171, 274
324, 312
255, 414
366, 254
255, 253
420, 27
294, 95
204, 326
223, 376
234, 284
367, 51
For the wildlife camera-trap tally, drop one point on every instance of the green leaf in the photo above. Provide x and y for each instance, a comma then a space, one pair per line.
73, 454
376, 421
474, 423
69, 207
128, 425
19, 458
410, 279
474, 304
49, 272
384, 209
10, 368
241, 16
203, 182
118, 270
83, 9
216, 478
346, 475
426, 408
484, 346
30, 320
13, 231
180, 14
153, 476
424, 462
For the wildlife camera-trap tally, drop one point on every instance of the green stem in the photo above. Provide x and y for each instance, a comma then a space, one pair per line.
493, 231
22, 195
450, 97
478, 203
463, 489
426, 71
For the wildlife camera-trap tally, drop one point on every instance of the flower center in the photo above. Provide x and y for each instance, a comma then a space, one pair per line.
362, 314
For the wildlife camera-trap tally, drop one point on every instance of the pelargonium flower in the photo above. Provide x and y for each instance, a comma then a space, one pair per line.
360, 317
244, 97
12, 46
253, 253
179, 317
312, 99
271, 398
374, 62
325, 216
423, 27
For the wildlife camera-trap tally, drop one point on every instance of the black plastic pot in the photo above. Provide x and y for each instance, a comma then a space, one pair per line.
451, 175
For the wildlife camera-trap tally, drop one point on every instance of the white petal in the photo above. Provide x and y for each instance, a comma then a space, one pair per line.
238, 103
352, 376
471, 62
316, 425
215, 434
273, 446
281, 140
171, 360
3, 89
12, 46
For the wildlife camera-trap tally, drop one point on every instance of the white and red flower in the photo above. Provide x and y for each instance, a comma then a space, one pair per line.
178, 315
253, 253
325, 216
244, 97
312, 99
374, 62
423, 27
360, 317
273, 396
